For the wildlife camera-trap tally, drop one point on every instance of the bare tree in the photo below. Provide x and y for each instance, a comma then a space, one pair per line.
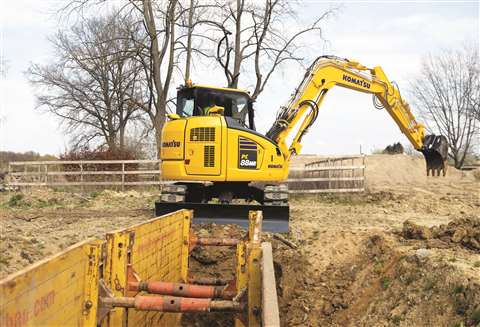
94, 84
190, 27
446, 93
263, 39
158, 56
169, 26
179, 29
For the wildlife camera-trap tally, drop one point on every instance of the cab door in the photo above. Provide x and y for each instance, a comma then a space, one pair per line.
203, 142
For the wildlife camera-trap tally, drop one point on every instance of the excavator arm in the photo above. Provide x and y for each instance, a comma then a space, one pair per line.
329, 71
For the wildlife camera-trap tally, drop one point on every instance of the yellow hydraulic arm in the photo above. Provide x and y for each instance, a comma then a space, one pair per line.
325, 73
328, 71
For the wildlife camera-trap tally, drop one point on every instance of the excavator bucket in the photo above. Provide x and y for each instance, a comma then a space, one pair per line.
435, 150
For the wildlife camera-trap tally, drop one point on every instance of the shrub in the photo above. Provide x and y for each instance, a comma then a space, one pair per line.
99, 154
15, 200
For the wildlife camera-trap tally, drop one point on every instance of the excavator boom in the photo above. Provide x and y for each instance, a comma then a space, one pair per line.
329, 71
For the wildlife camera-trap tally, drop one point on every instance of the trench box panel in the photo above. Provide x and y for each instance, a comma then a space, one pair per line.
61, 290
158, 251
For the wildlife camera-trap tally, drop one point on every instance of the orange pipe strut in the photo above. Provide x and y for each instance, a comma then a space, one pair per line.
180, 289
208, 281
171, 304
210, 241
217, 241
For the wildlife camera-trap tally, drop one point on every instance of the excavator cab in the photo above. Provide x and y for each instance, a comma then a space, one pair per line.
435, 150
197, 101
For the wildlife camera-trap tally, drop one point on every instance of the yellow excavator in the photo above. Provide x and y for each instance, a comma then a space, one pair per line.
221, 167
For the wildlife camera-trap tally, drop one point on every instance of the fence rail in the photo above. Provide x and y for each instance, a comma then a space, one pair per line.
84, 173
330, 175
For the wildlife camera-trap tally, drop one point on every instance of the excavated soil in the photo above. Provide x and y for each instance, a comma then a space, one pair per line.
404, 253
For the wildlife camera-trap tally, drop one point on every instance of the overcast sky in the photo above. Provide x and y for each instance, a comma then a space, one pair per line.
392, 34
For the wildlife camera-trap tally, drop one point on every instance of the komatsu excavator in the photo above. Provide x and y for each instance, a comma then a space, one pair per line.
221, 167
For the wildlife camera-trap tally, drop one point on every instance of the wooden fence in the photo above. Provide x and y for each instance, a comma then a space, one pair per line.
84, 173
330, 175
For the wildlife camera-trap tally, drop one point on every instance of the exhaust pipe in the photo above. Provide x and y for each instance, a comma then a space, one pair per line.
435, 150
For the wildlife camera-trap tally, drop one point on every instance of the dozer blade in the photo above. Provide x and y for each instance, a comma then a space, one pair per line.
435, 150
275, 218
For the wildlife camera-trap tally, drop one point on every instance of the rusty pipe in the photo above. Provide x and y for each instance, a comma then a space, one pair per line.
217, 241
208, 281
172, 304
181, 289
210, 241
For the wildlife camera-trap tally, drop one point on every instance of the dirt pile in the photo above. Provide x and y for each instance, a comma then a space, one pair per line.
394, 170
377, 285
381, 281
464, 232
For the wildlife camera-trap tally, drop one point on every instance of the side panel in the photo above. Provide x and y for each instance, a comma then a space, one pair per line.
203, 145
173, 140
253, 158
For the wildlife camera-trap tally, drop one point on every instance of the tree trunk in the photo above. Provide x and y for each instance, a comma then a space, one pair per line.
159, 122
158, 125
122, 138
189, 40
238, 41
111, 142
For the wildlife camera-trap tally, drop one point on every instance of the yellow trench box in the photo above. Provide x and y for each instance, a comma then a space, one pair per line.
63, 290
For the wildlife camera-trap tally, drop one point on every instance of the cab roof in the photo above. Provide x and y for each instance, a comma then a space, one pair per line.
218, 88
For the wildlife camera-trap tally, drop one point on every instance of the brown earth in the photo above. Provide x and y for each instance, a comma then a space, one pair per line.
357, 263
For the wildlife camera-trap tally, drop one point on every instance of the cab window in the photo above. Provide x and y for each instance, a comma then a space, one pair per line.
185, 103
197, 101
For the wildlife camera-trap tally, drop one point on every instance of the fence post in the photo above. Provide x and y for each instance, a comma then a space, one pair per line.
123, 176
81, 177
329, 175
363, 172
353, 170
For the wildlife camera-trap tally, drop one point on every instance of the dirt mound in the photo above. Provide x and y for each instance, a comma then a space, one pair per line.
394, 170
378, 282
391, 170
463, 231
377, 286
